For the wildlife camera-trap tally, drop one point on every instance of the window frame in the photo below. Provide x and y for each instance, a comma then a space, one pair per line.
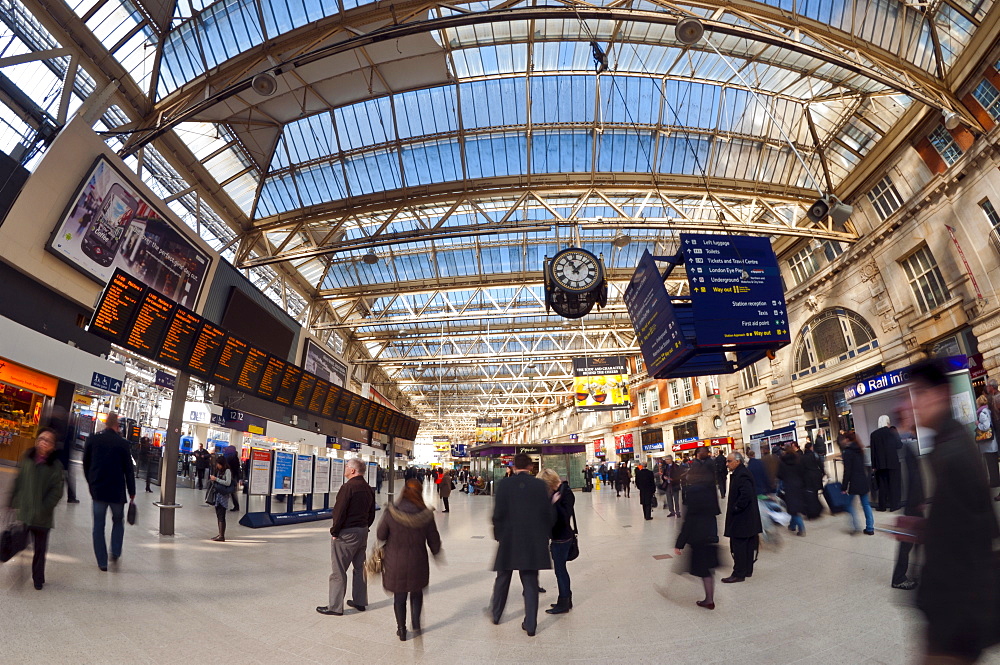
945, 145
800, 262
932, 274
992, 107
885, 198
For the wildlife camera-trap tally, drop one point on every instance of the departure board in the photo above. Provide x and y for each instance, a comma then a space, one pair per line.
318, 398
361, 415
305, 390
117, 307
370, 416
270, 378
150, 324
234, 353
289, 385
330, 405
346, 407
253, 369
207, 347
181, 333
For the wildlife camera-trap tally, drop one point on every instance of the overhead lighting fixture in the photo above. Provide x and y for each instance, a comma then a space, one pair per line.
621, 240
371, 258
951, 119
264, 84
689, 31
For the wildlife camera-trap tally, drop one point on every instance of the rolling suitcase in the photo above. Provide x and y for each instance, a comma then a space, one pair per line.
835, 497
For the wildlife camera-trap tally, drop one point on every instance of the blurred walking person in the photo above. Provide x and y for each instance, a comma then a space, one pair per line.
624, 479
812, 477
792, 478
742, 519
721, 472
986, 437
408, 530
38, 488
956, 591
444, 489
108, 466
856, 482
913, 507
523, 516
563, 534
353, 515
700, 531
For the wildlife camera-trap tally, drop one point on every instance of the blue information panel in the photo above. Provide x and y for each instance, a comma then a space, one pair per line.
653, 317
736, 292
284, 465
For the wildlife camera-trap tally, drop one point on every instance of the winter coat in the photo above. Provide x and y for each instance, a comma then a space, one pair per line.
408, 531
700, 526
37, 489
644, 481
623, 476
742, 512
956, 589
523, 516
565, 508
812, 471
855, 474
914, 483
760, 482
444, 489
793, 481
108, 467
885, 445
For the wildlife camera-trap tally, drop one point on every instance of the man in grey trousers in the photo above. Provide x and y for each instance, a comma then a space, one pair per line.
523, 516
353, 515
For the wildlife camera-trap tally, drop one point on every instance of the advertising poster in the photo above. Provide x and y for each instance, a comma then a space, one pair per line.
110, 225
623, 444
336, 476
601, 384
284, 465
260, 471
599, 448
303, 474
489, 430
322, 364
370, 476
321, 480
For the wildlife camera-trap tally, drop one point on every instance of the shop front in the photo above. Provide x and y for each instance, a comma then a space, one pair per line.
625, 447
686, 448
652, 443
568, 460
24, 396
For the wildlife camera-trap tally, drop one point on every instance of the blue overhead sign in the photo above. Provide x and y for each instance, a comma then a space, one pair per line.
106, 383
459, 450
653, 318
876, 384
736, 290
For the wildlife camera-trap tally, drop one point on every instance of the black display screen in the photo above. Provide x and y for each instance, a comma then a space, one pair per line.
117, 307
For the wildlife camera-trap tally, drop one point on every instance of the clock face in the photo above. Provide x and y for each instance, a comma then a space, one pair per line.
576, 270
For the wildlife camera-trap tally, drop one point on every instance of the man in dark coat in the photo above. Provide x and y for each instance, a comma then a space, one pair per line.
353, 515
201, 460
956, 592
646, 484
742, 519
107, 465
624, 479
885, 445
914, 507
673, 475
523, 516
756, 468
721, 472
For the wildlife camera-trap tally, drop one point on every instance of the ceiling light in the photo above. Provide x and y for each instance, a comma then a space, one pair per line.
621, 240
371, 258
951, 119
264, 84
689, 31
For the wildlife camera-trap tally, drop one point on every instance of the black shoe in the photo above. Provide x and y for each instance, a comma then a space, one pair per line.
72, 501
38, 587
869, 532
359, 608
732, 579
401, 633
113, 558
530, 633
541, 590
649, 518
149, 490
234, 510
323, 609
104, 569
907, 585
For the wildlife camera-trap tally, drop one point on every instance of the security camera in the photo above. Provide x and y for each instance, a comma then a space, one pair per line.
830, 206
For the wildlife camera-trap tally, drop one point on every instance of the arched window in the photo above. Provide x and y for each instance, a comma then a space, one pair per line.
831, 337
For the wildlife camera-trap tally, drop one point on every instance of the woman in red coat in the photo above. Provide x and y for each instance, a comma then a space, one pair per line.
408, 530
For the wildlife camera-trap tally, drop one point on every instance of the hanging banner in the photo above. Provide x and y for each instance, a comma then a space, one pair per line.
284, 466
600, 383
109, 225
303, 474
336, 475
459, 450
260, 471
489, 430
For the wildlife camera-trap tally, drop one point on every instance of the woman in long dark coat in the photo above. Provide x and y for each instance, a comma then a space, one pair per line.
856, 482
812, 475
700, 530
408, 530
793, 483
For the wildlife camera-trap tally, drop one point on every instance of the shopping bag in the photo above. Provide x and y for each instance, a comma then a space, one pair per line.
13, 539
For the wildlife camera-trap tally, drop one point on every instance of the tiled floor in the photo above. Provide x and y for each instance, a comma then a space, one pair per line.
823, 599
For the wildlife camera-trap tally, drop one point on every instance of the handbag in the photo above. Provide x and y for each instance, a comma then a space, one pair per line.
210, 494
13, 539
654, 503
574, 546
130, 517
375, 562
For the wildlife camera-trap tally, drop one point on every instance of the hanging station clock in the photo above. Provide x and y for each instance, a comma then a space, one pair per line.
575, 282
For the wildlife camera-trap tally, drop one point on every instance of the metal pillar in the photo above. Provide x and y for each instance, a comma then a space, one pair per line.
391, 468
171, 451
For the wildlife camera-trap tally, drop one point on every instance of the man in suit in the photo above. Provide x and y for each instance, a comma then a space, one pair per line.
742, 518
523, 516
108, 467
885, 446
646, 484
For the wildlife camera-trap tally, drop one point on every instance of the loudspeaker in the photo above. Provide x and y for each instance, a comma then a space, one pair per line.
839, 214
818, 211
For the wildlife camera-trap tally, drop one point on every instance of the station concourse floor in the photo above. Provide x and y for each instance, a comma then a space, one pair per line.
824, 598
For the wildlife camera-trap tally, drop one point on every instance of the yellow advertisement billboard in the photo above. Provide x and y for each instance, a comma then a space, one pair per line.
600, 383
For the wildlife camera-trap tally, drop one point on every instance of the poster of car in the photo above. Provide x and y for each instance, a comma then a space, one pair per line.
109, 225
600, 383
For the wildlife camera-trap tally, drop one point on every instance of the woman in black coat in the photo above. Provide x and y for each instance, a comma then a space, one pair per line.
793, 481
700, 530
856, 482
562, 537
812, 475
408, 530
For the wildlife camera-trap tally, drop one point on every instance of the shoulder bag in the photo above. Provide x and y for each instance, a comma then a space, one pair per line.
574, 546
13, 539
